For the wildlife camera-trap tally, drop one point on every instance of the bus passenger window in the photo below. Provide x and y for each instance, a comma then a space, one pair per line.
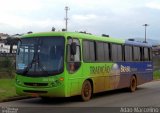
150, 54
136, 53
146, 54
116, 52
106, 52
119, 52
88, 51
99, 51
128, 53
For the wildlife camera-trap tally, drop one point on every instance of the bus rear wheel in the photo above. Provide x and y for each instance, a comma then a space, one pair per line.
133, 84
86, 92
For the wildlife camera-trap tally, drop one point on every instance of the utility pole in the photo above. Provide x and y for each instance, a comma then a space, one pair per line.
145, 28
66, 19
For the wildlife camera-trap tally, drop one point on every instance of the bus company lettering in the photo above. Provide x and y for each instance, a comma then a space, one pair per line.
99, 69
125, 68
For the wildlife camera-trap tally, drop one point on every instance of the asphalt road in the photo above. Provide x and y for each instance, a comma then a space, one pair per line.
147, 95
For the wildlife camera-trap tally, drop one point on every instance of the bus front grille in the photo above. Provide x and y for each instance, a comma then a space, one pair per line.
33, 91
35, 84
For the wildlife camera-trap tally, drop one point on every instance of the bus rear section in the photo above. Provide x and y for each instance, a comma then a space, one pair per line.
137, 65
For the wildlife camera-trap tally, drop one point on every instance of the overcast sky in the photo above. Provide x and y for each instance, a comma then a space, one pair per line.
118, 18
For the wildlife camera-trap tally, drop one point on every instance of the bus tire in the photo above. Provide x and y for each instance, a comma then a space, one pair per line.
86, 92
133, 84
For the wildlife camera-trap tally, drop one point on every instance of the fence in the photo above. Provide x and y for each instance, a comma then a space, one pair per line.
7, 54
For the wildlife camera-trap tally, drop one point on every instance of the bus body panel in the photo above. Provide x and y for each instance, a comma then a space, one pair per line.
143, 72
52, 86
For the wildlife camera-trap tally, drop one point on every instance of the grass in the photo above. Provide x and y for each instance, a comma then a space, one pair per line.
156, 74
7, 89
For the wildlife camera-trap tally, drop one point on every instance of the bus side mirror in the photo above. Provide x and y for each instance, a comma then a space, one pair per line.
73, 48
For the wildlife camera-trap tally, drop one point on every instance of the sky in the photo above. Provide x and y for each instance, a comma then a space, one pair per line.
117, 18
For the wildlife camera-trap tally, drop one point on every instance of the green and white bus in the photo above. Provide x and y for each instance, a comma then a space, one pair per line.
64, 64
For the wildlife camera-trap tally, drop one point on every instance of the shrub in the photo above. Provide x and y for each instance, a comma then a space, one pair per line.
7, 66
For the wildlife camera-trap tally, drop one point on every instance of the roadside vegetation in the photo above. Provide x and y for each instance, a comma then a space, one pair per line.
156, 74
7, 89
7, 74
156, 65
7, 67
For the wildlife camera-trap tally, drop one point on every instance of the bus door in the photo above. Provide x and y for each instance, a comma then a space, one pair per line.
73, 65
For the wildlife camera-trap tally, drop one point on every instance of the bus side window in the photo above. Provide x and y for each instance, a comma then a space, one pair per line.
136, 53
128, 53
146, 54
107, 56
119, 53
116, 51
142, 56
100, 55
150, 54
73, 61
88, 51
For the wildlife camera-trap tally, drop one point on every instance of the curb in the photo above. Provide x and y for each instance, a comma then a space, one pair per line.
15, 98
156, 80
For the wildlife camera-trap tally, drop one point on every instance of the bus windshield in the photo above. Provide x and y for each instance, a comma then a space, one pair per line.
40, 56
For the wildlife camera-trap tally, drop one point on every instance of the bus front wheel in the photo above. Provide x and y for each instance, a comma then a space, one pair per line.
133, 84
86, 92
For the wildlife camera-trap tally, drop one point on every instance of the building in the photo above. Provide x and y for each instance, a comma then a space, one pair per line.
3, 36
156, 50
3, 47
6, 48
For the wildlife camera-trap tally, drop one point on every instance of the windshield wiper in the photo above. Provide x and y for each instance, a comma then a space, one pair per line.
35, 61
29, 66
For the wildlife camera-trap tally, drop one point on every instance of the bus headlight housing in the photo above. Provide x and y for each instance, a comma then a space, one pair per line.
55, 83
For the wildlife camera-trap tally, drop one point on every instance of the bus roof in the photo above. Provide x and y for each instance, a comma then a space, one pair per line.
77, 35
136, 43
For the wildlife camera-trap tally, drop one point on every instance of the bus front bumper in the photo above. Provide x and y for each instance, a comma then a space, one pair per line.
58, 91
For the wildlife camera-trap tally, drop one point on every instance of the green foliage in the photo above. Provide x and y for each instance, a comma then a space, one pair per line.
7, 89
156, 74
7, 63
7, 68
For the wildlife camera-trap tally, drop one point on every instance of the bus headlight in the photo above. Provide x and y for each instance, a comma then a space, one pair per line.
55, 83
